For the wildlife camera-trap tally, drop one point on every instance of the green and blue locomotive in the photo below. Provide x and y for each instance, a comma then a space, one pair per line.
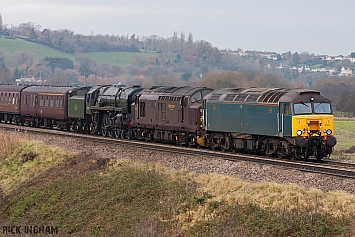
293, 123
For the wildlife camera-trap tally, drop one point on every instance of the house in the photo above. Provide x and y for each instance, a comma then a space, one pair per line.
346, 72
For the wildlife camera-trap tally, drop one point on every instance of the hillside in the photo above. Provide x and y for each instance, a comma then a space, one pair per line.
11, 46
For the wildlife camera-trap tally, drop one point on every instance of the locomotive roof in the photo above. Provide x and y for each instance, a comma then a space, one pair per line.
13, 88
265, 95
302, 95
172, 90
50, 89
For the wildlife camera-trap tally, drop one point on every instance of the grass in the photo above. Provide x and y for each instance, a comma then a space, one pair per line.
345, 134
13, 45
112, 58
82, 195
119, 58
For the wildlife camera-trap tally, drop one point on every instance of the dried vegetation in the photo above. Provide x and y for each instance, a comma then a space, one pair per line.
119, 191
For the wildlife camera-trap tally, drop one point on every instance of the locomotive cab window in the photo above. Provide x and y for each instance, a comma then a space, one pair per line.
196, 97
322, 108
302, 108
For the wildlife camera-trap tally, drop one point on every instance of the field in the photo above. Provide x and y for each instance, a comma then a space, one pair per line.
81, 195
345, 134
112, 58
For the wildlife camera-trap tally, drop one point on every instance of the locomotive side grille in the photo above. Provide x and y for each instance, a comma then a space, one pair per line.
229, 97
215, 97
240, 97
278, 96
164, 89
272, 96
252, 98
265, 97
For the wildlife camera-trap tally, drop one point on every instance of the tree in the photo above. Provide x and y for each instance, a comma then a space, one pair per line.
350, 108
85, 65
342, 103
63, 63
174, 43
2, 59
190, 39
295, 59
22, 57
5, 76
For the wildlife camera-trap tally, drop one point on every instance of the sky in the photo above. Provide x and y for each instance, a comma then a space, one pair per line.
320, 27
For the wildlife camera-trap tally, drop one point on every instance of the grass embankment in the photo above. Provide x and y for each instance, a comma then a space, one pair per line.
345, 134
85, 196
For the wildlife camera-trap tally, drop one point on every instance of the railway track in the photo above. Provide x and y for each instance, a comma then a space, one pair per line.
328, 167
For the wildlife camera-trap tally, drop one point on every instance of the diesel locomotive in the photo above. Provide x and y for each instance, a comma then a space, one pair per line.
291, 123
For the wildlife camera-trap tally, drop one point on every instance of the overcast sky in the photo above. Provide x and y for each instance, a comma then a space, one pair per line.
313, 26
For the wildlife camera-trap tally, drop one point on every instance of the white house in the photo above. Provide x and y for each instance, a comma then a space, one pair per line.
346, 72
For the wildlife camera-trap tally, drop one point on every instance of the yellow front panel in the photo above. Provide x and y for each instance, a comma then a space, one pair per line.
312, 123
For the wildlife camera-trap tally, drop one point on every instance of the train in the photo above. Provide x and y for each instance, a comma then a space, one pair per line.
275, 122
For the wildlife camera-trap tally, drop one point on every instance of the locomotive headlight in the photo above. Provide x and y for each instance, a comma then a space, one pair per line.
299, 132
329, 131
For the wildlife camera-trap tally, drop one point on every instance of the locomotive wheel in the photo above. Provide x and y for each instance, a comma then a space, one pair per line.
191, 141
123, 135
93, 128
117, 132
104, 132
319, 156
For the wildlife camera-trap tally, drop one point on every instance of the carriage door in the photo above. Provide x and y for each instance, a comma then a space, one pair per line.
284, 120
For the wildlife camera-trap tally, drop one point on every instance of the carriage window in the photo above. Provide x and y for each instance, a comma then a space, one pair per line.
52, 101
61, 102
302, 108
46, 101
41, 101
16, 100
57, 101
13, 98
322, 108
